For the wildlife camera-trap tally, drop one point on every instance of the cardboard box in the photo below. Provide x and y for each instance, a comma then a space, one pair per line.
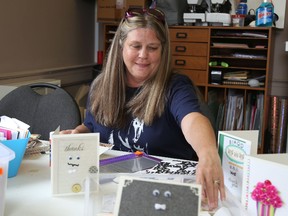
113, 10
106, 9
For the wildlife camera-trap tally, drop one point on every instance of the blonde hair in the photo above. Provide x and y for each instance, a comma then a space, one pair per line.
107, 95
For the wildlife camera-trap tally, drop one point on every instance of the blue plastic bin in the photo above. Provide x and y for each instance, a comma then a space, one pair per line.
6, 155
19, 147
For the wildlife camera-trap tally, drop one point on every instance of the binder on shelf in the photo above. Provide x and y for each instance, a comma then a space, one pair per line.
282, 130
234, 82
234, 112
273, 124
236, 75
278, 124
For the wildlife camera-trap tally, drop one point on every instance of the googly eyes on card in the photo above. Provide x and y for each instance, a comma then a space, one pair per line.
156, 193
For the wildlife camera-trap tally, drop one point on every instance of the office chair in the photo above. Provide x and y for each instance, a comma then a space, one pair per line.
43, 112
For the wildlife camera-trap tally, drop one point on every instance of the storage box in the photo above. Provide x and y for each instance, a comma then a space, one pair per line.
106, 10
6, 155
19, 147
113, 10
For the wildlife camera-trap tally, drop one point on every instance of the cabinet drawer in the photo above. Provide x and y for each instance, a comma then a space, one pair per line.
189, 62
191, 35
197, 76
193, 49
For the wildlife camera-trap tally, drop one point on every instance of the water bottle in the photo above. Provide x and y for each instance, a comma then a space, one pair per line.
264, 14
242, 8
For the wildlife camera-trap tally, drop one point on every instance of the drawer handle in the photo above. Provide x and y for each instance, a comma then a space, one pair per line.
181, 35
180, 49
180, 62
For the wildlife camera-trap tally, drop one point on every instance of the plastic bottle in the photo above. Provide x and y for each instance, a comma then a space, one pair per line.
242, 8
264, 14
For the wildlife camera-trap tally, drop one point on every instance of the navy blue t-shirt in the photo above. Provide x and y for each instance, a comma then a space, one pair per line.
164, 137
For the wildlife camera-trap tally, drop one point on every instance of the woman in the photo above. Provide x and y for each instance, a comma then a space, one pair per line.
139, 103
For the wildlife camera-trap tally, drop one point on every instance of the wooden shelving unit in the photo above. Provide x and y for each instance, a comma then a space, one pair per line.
199, 51
190, 49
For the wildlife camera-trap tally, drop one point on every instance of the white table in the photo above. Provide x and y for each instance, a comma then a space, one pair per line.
29, 193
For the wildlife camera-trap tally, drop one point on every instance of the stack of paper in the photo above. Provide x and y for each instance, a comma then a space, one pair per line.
12, 128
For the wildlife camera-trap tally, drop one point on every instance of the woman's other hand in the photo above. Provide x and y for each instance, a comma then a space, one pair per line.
70, 131
79, 129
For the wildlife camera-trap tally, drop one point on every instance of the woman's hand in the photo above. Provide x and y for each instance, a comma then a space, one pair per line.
79, 129
210, 175
199, 133
70, 131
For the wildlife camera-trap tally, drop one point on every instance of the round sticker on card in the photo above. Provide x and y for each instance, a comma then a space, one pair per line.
76, 188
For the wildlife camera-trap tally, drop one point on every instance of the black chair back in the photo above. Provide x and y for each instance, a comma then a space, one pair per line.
44, 113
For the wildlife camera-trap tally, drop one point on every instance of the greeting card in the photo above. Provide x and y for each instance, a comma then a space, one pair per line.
265, 190
139, 196
74, 158
233, 146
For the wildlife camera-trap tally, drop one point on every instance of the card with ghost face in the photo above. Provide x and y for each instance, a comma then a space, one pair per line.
74, 158
146, 197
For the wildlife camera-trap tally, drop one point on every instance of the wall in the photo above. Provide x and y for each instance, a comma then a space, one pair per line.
56, 39
280, 61
47, 39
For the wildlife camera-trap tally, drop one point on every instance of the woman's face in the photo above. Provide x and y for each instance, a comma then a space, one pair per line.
142, 55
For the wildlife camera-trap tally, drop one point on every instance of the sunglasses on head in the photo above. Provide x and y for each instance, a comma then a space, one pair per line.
157, 14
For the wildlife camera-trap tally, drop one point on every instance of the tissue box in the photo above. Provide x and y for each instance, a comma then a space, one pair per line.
19, 147
6, 155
